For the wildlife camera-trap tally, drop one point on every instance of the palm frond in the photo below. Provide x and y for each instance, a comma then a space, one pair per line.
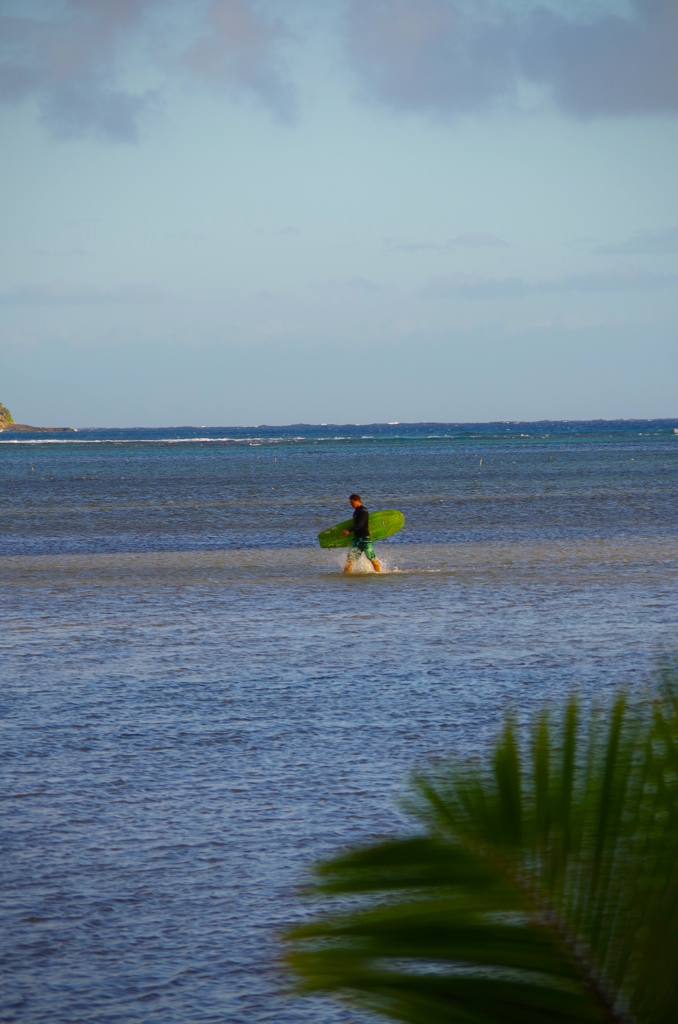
544, 887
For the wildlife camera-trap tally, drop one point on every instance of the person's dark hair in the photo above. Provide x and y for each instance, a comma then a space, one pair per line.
354, 497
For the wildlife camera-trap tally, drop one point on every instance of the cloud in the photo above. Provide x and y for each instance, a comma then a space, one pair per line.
69, 66
60, 254
183, 235
287, 231
433, 54
468, 240
609, 64
648, 243
405, 245
477, 240
612, 281
475, 286
452, 56
239, 48
75, 65
65, 293
362, 284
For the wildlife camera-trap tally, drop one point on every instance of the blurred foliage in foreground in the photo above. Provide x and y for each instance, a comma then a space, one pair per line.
542, 888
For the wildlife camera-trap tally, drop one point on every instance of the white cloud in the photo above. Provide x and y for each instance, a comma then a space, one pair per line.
475, 286
67, 293
467, 240
647, 243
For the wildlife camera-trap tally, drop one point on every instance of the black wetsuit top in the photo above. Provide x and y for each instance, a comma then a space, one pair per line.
361, 522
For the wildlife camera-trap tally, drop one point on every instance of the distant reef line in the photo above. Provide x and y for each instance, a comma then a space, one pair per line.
7, 423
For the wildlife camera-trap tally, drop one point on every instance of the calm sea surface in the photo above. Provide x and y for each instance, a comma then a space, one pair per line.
197, 703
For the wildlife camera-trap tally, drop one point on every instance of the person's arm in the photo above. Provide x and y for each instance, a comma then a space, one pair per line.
352, 528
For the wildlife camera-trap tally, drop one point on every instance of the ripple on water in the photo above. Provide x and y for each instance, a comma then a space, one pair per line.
185, 731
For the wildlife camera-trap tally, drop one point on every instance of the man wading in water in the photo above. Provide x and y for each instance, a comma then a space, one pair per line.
361, 541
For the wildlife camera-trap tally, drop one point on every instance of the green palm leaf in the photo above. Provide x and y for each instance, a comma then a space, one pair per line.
542, 888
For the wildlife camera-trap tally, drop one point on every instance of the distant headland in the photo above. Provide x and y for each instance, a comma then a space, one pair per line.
7, 423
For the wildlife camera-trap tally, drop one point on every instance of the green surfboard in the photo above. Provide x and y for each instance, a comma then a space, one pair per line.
382, 524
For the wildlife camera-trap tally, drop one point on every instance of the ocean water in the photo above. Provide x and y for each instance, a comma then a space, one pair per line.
197, 703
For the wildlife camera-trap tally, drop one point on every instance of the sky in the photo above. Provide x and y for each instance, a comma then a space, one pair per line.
234, 212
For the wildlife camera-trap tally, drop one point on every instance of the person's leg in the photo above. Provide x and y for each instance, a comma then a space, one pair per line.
353, 553
369, 551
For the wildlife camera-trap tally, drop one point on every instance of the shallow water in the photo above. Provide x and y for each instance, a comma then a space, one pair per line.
197, 703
